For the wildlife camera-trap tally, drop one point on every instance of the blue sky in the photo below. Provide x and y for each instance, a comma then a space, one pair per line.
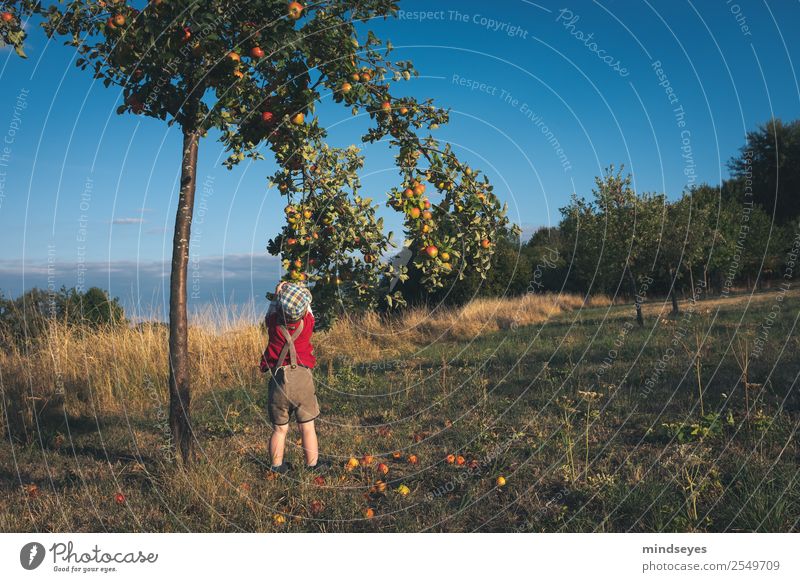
543, 97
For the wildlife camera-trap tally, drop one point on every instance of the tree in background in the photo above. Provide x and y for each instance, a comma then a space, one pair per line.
25, 318
683, 241
549, 259
615, 236
254, 72
770, 160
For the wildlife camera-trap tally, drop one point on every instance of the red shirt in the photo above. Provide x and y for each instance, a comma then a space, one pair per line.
305, 351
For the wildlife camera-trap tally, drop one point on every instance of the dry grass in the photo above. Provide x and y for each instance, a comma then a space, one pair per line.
83, 371
371, 337
523, 425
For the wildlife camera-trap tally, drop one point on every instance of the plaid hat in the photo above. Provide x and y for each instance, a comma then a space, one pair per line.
293, 301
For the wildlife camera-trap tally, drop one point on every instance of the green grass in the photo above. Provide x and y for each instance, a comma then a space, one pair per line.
531, 404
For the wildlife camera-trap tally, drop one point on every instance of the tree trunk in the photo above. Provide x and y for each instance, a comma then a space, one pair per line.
179, 393
672, 292
639, 318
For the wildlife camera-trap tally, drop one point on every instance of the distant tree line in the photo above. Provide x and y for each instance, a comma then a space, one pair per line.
26, 317
711, 240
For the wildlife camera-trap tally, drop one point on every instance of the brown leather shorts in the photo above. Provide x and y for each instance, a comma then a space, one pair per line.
291, 391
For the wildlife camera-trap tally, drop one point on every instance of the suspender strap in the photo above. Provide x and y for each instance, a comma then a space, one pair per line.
289, 345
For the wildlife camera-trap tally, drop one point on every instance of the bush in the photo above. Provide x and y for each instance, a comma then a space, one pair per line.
25, 318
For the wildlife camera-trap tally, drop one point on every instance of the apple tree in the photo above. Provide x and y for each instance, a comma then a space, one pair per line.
12, 21
253, 73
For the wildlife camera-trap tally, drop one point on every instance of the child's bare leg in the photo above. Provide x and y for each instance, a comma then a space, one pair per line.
277, 443
310, 444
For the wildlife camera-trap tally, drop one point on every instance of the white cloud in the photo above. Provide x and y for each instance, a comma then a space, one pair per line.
127, 221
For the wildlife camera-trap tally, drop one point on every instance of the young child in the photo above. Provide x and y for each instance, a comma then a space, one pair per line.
289, 358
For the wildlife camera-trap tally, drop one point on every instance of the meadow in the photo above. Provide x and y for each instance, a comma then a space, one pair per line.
534, 414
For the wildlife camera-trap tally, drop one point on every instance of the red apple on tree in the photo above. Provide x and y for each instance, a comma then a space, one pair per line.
257, 52
295, 10
432, 251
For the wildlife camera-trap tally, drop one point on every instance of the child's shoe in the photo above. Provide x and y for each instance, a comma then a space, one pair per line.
321, 467
281, 469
